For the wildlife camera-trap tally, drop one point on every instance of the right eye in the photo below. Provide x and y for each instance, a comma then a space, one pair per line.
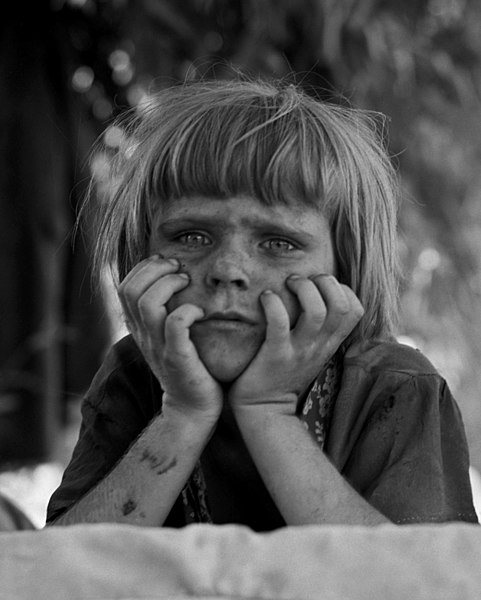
193, 239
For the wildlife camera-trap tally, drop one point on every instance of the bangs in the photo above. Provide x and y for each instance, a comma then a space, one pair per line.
267, 148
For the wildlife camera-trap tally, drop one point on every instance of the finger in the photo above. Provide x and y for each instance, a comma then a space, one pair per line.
177, 327
343, 307
313, 308
156, 260
151, 305
140, 279
277, 318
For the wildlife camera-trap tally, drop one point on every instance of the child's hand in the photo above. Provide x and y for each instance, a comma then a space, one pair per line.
290, 359
163, 337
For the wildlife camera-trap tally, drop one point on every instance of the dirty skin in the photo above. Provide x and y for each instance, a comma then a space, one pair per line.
157, 465
128, 507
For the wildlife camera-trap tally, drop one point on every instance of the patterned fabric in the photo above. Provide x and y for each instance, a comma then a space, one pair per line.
317, 410
194, 498
315, 415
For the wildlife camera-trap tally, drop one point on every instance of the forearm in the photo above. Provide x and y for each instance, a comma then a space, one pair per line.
143, 486
303, 483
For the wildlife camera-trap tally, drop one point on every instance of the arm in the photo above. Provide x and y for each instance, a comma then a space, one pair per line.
145, 483
142, 488
304, 484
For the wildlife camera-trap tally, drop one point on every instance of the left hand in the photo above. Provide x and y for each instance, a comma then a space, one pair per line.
289, 359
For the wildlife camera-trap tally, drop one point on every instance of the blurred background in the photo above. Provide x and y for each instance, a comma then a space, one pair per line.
67, 67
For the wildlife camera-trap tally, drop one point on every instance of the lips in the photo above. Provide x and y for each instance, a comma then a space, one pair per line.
230, 315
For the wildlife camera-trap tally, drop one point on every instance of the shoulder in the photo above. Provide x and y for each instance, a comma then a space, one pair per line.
123, 361
124, 380
384, 385
397, 435
378, 357
124, 355
381, 373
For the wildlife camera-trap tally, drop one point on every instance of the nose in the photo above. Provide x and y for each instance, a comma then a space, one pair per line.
229, 268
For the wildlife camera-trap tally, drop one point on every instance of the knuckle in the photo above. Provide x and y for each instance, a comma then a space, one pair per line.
143, 305
344, 309
318, 317
150, 313
341, 311
323, 277
359, 310
175, 318
127, 293
326, 279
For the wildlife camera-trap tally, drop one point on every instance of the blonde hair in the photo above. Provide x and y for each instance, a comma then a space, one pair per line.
272, 142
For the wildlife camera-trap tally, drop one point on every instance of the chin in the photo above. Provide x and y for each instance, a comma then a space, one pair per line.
224, 373
224, 357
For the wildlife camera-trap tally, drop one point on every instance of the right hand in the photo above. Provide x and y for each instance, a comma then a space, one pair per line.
164, 338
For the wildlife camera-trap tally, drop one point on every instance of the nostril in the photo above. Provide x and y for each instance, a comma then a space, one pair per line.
239, 283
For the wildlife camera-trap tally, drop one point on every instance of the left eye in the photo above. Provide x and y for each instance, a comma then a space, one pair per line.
279, 245
193, 239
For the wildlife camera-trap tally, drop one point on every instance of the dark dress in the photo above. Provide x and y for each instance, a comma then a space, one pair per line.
394, 432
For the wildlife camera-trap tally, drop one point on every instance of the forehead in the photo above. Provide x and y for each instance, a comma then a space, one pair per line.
242, 211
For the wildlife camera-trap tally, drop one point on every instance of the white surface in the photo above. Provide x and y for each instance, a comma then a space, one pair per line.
475, 478
231, 562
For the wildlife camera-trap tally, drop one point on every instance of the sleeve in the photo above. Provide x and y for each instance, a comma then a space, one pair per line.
411, 460
122, 399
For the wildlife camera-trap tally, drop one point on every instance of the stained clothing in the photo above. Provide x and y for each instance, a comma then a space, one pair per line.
394, 432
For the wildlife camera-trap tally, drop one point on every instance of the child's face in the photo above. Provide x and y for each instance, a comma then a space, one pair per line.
233, 250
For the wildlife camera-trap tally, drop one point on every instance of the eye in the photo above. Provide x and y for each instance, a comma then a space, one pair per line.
279, 245
193, 239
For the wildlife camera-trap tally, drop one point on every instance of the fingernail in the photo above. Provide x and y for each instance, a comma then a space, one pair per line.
183, 275
173, 261
294, 277
266, 292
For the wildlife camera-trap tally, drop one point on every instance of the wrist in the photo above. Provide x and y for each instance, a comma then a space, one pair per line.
178, 411
283, 405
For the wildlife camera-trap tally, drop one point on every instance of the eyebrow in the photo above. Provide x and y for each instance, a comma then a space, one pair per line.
263, 225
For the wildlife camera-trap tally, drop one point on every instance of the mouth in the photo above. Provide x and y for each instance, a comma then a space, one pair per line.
230, 316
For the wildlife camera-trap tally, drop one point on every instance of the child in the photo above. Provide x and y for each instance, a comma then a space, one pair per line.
251, 229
